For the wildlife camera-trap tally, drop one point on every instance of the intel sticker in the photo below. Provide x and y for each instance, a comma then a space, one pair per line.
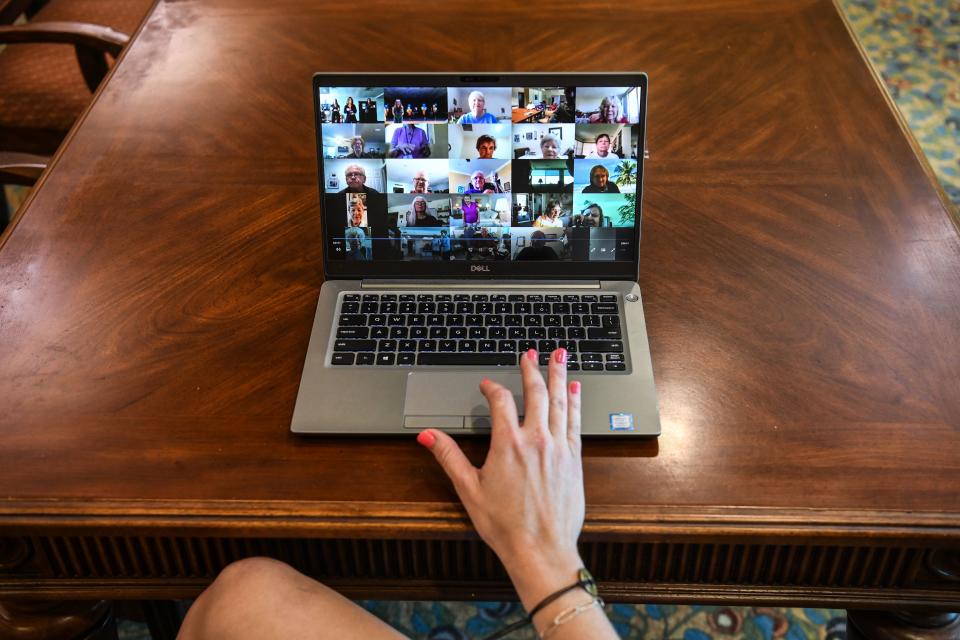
621, 422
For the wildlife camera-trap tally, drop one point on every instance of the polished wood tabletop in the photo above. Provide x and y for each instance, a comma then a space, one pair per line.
798, 268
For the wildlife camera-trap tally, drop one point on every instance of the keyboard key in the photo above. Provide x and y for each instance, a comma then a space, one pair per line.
395, 320
407, 297
591, 366
461, 297
443, 297
497, 333
541, 308
416, 320
516, 333
608, 298
445, 307
381, 332
552, 298
515, 298
388, 307
435, 319
499, 297
507, 346
534, 298
580, 308
418, 332
556, 333
513, 320
366, 358
398, 332
425, 297
493, 321
353, 332
502, 308
369, 307
458, 332
601, 346
351, 297
447, 345
526, 345
407, 345
477, 333
544, 359
387, 345
386, 358
573, 366
532, 321
599, 307
479, 297
546, 345
522, 307
560, 308
616, 366
484, 308
571, 321
408, 307
465, 307
406, 358
604, 333
614, 357
427, 345
392, 297
355, 345
552, 321
589, 298
576, 333
342, 358
471, 359
572, 298
427, 308
590, 321
569, 345
350, 307
537, 333
371, 297
486, 346
591, 357
376, 320
466, 345
610, 321
474, 320
454, 320
352, 320
438, 332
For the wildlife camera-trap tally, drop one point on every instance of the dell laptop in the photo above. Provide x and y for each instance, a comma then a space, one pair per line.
467, 219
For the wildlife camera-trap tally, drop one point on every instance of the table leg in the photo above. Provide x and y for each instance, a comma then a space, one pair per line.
36, 620
902, 625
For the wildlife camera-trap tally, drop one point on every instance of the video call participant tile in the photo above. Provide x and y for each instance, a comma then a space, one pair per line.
353, 141
607, 210
480, 176
607, 245
418, 210
544, 105
542, 210
342, 176
478, 209
483, 141
415, 104
543, 176
416, 141
418, 176
479, 105
348, 105
423, 243
608, 105
474, 242
605, 176
605, 141
542, 141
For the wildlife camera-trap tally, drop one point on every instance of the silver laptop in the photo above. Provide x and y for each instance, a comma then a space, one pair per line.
467, 219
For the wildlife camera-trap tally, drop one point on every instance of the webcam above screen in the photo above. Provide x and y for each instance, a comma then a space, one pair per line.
503, 175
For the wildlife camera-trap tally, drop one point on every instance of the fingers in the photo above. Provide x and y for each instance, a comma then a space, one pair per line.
535, 399
573, 413
447, 452
557, 386
503, 413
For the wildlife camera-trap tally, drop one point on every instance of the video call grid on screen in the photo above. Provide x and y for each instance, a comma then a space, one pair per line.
481, 173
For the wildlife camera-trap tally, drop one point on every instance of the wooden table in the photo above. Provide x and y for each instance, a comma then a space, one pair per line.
799, 272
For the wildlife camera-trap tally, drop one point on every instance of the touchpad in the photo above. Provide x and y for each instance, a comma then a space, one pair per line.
436, 394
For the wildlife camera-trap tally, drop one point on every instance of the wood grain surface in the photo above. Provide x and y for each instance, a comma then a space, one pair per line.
799, 275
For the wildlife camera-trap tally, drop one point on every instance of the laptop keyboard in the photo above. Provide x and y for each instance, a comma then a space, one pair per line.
463, 329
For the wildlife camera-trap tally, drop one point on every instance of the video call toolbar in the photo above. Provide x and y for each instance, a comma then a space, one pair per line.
497, 173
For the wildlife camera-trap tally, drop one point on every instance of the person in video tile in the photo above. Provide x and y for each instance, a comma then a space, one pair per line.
600, 181
397, 111
470, 209
479, 184
356, 241
421, 214
420, 183
610, 112
410, 141
478, 111
350, 111
538, 249
549, 147
356, 149
486, 146
335, 116
602, 150
357, 210
552, 217
590, 216
356, 180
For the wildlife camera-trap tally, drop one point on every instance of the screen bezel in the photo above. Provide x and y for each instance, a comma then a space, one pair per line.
461, 269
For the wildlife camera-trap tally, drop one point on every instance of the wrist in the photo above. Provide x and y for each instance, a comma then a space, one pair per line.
536, 576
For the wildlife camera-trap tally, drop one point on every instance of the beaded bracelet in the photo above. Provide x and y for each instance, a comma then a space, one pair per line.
569, 614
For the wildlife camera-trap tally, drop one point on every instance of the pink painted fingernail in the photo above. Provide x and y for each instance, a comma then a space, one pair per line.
561, 355
426, 438
532, 354
484, 381
575, 386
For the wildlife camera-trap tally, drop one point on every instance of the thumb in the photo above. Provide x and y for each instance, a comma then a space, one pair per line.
451, 458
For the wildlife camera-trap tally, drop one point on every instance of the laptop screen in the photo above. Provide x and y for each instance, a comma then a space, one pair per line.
485, 178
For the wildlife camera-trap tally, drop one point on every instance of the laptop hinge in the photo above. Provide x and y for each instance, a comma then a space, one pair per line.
487, 285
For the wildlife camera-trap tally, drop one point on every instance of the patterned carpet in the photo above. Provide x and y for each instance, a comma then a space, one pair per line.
915, 44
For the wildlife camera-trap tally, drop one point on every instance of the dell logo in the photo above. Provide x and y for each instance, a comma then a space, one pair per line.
479, 267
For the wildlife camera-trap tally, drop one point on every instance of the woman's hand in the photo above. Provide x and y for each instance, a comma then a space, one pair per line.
527, 500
